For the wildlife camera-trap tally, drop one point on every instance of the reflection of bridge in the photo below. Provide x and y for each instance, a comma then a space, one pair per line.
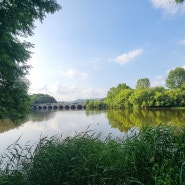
59, 106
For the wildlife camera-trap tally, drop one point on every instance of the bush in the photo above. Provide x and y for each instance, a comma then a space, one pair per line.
152, 156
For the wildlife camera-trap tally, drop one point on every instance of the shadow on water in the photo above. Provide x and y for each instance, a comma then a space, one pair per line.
127, 119
7, 124
38, 116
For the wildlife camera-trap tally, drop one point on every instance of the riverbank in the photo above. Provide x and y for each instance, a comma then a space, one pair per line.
152, 156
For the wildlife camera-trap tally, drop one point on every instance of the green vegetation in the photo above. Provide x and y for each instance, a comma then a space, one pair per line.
152, 156
156, 97
179, 1
41, 98
143, 83
95, 104
17, 20
176, 78
144, 96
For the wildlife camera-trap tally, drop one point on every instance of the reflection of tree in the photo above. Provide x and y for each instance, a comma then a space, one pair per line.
7, 124
93, 112
120, 119
36, 116
126, 119
39, 116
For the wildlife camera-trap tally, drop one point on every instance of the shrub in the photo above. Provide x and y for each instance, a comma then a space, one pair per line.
151, 156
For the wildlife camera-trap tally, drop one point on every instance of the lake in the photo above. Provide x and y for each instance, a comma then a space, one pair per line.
67, 123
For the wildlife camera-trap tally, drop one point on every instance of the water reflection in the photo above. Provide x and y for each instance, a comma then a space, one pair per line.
39, 116
7, 124
127, 119
42, 123
94, 112
123, 120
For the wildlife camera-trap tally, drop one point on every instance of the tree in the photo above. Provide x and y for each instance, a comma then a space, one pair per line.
179, 1
42, 98
143, 83
122, 98
17, 20
176, 78
111, 94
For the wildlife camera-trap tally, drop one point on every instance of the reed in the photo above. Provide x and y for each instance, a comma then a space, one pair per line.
152, 156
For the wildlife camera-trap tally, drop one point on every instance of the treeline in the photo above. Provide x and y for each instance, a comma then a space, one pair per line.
144, 96
95, 104
41, 98
156, 97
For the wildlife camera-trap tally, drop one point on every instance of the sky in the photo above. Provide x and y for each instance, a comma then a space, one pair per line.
90, 46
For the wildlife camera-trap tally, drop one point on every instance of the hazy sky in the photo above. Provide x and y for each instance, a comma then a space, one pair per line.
92, 45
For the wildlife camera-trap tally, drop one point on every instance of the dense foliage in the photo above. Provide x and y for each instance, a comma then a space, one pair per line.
152, 156
179, 1
156, 97
17, 20
95, 104
143, 83
176, 78
42, 98
144, 96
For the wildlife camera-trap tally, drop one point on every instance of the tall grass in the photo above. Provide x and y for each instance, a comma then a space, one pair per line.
152, 156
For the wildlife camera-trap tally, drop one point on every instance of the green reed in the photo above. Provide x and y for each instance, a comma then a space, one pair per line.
152, 156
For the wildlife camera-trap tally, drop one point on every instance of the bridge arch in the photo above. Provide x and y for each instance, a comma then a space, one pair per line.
79, 107
50, 107
44, 107
73, 107
55, 107
66, 107
40, 107
34, 107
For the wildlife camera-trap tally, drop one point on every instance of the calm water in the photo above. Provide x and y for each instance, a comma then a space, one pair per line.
66, 123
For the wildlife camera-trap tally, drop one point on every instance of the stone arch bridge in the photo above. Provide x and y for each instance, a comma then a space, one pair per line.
59, 106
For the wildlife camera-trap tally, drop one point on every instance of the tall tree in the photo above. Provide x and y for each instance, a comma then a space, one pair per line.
176, 78
143, 83
113, 91
179, 1
17, 20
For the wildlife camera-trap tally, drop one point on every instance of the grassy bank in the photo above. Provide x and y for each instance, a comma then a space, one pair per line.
154, 156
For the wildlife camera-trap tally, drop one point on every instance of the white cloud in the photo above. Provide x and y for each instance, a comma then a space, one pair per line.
182, 42
72, 73
92, 93
75, 92
167, 72
127, 57
38, 88
63, 89
158, 81
169, 6
68, 92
